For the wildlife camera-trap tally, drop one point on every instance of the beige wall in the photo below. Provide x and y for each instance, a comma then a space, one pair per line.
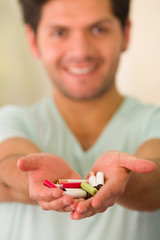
23, 80
139, 74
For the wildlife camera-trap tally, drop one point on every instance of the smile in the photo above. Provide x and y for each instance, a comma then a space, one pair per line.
81, 71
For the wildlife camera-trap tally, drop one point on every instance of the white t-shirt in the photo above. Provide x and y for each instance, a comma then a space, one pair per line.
42, 123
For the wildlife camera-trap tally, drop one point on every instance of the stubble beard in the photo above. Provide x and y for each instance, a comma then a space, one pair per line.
106, 87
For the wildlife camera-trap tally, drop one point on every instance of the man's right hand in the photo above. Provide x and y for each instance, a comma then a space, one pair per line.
43, 166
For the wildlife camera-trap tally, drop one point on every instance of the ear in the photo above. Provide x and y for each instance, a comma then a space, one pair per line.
126, 31
31, 36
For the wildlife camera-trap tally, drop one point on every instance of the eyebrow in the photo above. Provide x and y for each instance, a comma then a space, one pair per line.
105, 20
102, 21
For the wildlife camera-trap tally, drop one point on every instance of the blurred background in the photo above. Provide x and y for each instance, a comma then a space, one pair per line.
23, 79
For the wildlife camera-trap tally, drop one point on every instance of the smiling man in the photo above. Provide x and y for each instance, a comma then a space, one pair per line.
87, 125
81, 54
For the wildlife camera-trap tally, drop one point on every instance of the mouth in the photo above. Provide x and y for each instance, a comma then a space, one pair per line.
81, 70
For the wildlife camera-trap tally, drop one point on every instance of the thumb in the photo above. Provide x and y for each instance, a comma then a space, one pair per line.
136, 164
28, 163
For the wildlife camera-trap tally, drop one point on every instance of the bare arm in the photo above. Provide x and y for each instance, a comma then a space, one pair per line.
142, 190
25, 182
129, 180
13, 182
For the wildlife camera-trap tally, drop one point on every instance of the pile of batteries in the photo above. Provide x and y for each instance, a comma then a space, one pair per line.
79, 188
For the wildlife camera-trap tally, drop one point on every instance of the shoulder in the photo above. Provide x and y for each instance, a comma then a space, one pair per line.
134, 105
147, 117
135, 110
23, 111
23, 121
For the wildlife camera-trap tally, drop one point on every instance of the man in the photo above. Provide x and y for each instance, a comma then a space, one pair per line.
86, 126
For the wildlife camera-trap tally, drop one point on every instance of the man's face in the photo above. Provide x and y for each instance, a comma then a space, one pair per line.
80, 43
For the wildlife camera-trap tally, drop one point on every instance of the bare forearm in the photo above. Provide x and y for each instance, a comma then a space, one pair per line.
142, 191
13, 182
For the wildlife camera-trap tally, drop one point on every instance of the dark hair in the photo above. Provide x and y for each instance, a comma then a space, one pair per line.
32, 10
121, 9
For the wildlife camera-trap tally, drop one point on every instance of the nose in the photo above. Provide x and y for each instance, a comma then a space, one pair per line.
80, 47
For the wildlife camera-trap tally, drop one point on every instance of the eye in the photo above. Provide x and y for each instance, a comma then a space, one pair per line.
61, 32
99, 30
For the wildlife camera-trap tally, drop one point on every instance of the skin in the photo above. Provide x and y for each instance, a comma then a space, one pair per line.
80, 46
91, 42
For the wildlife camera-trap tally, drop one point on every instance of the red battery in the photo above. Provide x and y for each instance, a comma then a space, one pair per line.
70, 185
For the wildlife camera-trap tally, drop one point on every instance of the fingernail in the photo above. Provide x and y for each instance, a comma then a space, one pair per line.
81, 209
57, 194
96, 204
67, 202
73, 207
82, 216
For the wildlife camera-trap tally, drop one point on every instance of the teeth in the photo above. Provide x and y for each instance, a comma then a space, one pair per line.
80, 71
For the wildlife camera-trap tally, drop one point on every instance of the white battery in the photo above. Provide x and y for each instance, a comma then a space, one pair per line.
75, 193
59, 181
100, 178
92, 181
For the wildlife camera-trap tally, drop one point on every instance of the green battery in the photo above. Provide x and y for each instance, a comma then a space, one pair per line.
88, 188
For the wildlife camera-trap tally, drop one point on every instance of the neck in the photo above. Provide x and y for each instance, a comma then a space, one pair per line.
88, 119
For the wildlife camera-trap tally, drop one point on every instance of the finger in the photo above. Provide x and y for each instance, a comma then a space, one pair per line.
84, 206
58, 204
136, 164
112, 189
43, 194
28, 163
76, 202
92, 212
72, 207
69, 208
77, 215
33, 161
